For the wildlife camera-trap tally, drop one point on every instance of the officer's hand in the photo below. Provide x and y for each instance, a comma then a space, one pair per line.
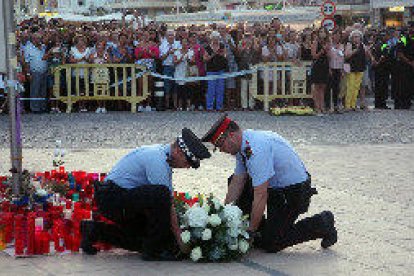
184, 248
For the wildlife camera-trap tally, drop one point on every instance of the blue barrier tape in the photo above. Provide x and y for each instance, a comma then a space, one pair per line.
138, 75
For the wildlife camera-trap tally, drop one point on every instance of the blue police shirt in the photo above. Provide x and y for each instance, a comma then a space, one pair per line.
145, 165
266, 156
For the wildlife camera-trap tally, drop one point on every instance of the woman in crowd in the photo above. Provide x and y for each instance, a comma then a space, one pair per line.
230, 47
320, 68
356, 55
274, 51
147, 51
199, 69
146, 54
100, 56
216, 64
79, 54
249, 52
336, 65
55, 56
182, 58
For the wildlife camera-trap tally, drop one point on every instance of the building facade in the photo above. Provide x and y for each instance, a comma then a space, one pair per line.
392, 12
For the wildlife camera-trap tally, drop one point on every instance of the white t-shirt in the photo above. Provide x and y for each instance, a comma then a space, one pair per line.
292, 50
266, 51
181, 68
76, 54
165, 47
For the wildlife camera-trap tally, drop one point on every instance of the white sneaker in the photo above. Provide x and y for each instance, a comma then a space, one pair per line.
200, 108
98, 110
148, 108
140, 108
83, 110
103, 110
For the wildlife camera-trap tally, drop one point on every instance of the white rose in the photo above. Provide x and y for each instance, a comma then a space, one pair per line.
243, 246
186, 236
233, 232
197, 217
216, 203
196, 254
233, 215
214, 220
206, 234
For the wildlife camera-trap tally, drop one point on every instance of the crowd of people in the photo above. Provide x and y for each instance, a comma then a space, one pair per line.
346, 62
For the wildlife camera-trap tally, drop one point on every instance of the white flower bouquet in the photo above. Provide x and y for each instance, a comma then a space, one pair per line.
214, 232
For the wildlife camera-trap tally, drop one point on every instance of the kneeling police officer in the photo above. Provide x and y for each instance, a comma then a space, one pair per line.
269, 172
137, 196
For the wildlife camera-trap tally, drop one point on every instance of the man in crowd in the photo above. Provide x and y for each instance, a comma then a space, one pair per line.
33, 57
137, 196
269, 172
167, 48
381, 65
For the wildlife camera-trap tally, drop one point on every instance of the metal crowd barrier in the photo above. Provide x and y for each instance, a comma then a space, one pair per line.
87, 82
129, 82
280, 80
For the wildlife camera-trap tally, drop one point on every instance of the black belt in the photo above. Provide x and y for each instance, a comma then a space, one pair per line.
305, 185
107, 185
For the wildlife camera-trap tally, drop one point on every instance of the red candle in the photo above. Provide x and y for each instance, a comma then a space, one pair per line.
31, 233
18, 229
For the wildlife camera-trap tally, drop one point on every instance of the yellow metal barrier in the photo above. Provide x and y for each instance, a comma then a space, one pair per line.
280, 80
87, 82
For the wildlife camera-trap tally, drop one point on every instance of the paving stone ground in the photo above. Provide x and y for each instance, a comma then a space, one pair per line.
361, 163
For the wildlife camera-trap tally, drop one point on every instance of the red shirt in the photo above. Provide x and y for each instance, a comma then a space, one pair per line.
147, 52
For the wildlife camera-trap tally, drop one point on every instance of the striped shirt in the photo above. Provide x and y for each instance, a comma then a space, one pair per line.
336, 57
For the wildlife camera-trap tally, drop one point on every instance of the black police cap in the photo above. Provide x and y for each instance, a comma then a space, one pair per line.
192, 147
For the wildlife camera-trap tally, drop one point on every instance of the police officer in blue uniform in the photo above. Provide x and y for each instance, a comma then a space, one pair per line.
381, 64
269, 172
137, 196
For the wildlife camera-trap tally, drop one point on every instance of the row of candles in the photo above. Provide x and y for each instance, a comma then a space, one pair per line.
57, 222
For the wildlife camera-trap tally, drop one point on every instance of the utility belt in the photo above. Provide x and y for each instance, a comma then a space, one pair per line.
300, 193
305, 185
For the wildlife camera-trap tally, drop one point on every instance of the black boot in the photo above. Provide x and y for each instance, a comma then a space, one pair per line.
331, 235
319, 226
89, 237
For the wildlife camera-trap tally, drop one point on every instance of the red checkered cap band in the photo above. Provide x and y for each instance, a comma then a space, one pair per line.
220, 130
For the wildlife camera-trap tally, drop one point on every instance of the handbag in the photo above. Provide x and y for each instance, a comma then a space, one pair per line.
347, 68
192, 71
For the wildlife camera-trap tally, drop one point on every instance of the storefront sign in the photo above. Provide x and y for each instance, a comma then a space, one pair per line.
396, 9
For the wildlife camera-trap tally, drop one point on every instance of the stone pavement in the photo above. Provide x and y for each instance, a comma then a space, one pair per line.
368, 187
